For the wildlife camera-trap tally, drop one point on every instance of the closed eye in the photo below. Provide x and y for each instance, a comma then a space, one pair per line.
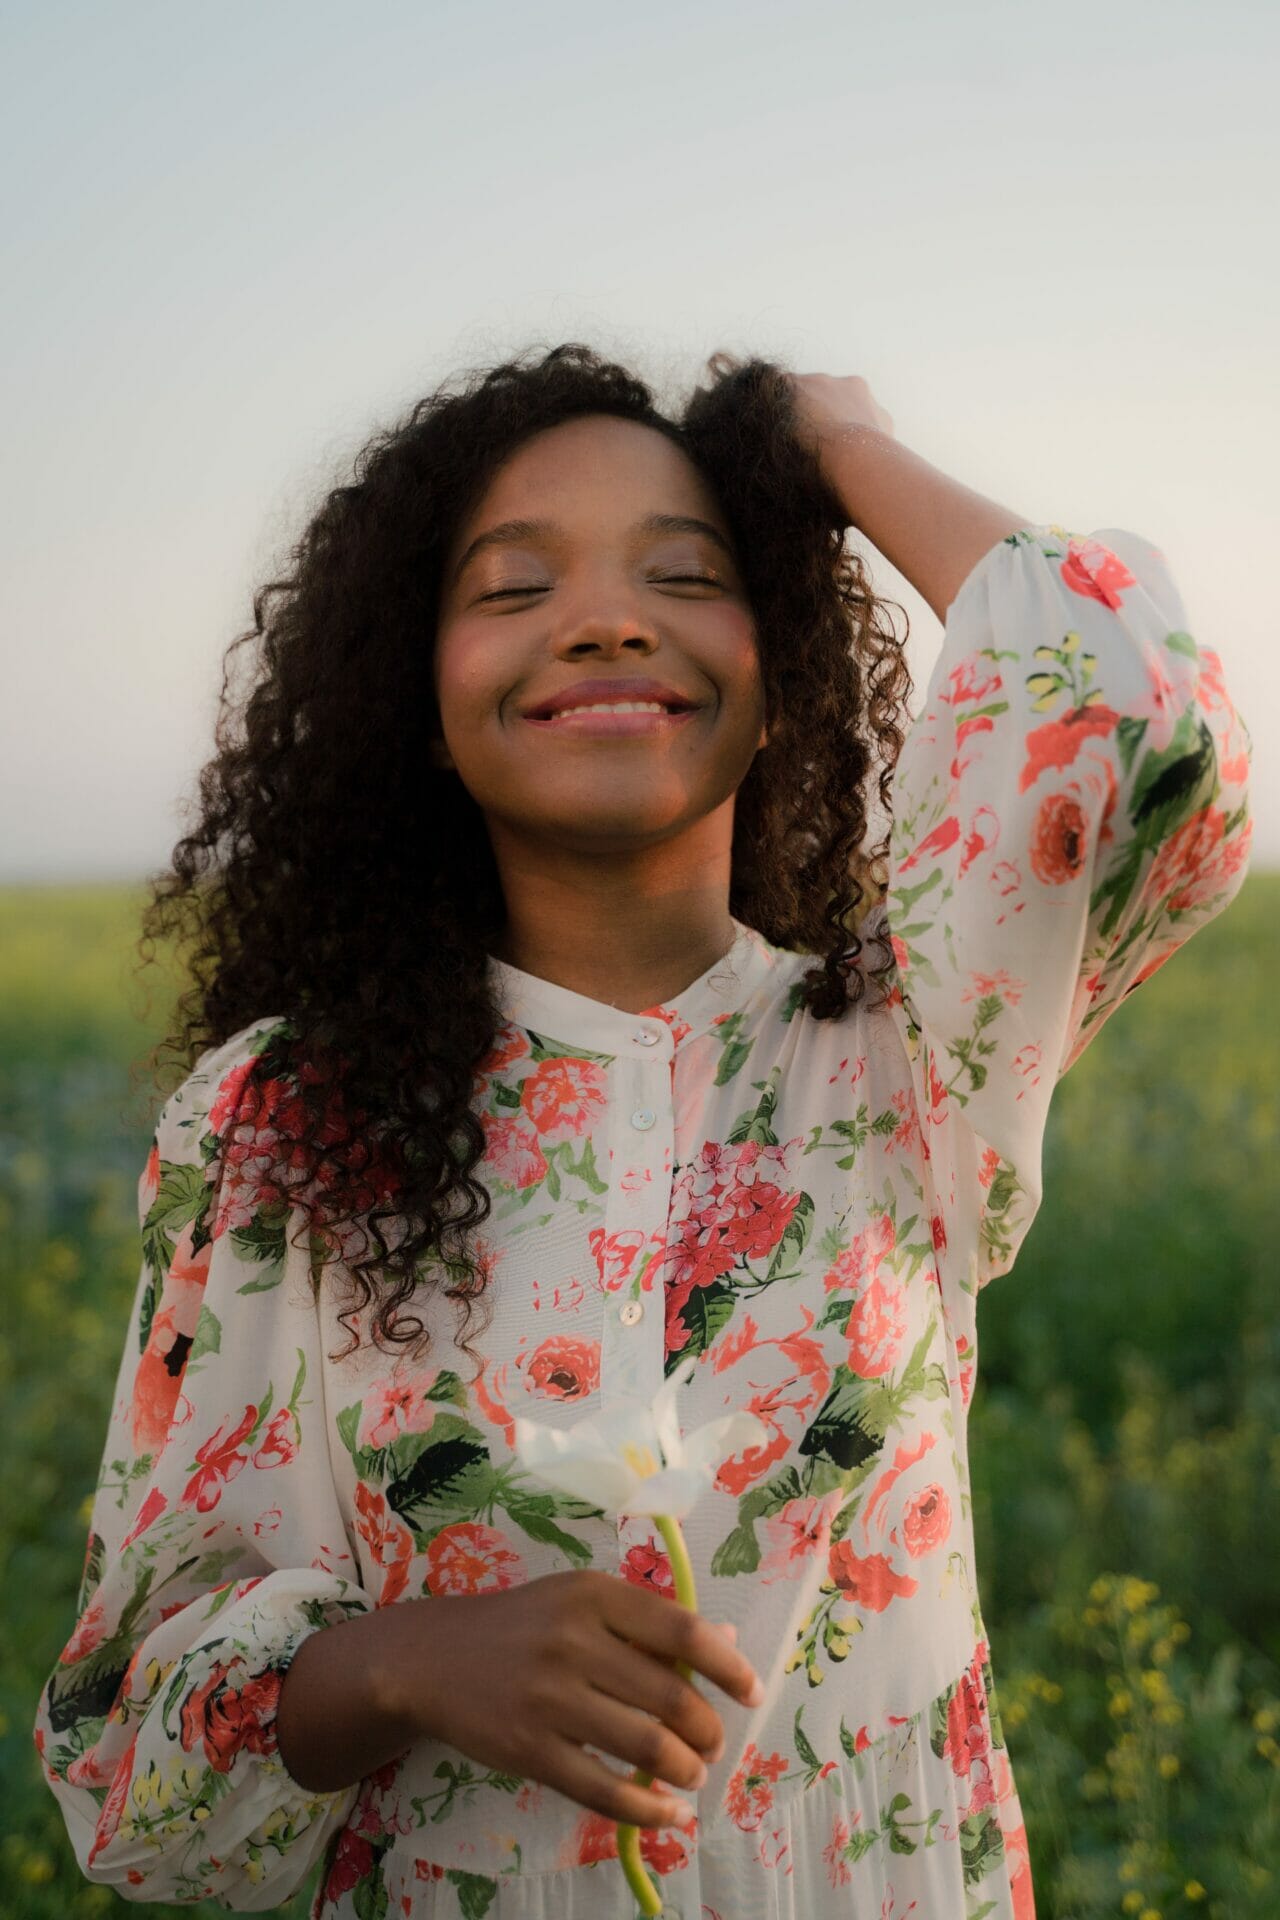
664, 580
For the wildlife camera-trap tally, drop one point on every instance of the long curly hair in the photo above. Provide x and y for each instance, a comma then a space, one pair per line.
340, 885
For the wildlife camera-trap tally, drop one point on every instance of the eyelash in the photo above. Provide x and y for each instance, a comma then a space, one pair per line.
666, 579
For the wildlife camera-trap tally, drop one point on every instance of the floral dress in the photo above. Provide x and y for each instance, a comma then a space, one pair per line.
809, 1207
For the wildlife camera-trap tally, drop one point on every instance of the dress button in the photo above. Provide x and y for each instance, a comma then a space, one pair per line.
631, 1312
643, 1118
646, 1039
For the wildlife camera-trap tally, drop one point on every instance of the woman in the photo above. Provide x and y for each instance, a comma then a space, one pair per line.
516, 1006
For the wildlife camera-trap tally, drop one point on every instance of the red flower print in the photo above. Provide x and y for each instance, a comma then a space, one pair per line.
794, 1536
974, 679
1018, 1854
565, 1369
396, 1408
861, 1259
389, 1542
149, 1183
926, 1523
158, 1379
151, 1509
510, 1045
724, 1207
470, 1558
352, 1863
1196, 862
749, 1794
220, 1461
512, 1153
944, 835
968, 1732
877, 1329
489, 1388
279, 1443
1059, 845
871, 1582
780, 1381
618, 1254
1057, 742
596, 1838
565, 1098
839, 1872
1094, 571
226, 1720
113, 1805
91, 1631
647, 1565
904, 1456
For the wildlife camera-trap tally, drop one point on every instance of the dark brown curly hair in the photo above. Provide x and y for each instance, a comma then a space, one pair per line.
335, 879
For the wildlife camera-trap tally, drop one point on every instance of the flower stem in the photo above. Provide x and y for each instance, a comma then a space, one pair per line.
629, 1837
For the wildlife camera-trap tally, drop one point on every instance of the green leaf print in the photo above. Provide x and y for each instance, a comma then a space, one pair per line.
705, 1312
836, 1312
739, 1551
981, 1844
851, 1423
795, 1237
532, 1513
734, 1052
476, 1894
450, 1479
348, 1424
207, 1337
804, 1746
446, 1386
262, 1245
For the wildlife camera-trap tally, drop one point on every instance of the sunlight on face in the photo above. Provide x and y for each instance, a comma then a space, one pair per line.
597, 596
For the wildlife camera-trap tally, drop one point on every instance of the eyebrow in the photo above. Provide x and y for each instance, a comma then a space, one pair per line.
508, 532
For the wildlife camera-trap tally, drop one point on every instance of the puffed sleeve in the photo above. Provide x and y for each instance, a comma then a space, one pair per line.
1070, 806
214, 1541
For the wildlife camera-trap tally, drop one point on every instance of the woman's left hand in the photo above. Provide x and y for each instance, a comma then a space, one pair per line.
828, 404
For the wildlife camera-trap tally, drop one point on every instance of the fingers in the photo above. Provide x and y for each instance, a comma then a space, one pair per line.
632, 1735
638, 1680
677, 1633
592, 1784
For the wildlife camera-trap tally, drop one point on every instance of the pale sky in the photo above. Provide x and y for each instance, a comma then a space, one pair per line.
238, 239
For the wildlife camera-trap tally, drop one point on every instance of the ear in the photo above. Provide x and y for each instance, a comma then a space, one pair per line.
440, 756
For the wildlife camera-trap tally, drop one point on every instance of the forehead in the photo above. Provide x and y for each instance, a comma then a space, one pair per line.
599, 471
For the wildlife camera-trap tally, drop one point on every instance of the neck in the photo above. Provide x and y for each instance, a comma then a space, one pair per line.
632, 933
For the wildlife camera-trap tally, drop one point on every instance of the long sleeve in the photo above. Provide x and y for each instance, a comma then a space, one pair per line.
1070, 806
214, 1541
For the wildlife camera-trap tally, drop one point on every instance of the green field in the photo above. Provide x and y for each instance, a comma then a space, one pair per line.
1125, 1427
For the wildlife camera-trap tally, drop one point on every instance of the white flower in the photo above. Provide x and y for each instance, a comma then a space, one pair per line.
633, 1458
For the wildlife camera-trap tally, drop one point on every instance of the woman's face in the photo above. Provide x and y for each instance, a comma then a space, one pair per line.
595, 594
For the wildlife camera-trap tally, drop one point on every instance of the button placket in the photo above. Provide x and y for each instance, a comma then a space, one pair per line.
642, 1120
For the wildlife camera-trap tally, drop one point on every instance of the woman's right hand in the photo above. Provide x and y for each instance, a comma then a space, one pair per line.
520, 1679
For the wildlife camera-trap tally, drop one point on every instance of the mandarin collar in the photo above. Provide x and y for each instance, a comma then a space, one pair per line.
554, 1012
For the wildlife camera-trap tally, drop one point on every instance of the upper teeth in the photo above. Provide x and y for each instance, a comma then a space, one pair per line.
614, 706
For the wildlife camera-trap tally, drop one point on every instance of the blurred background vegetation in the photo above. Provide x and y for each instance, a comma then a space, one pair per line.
1125, 1433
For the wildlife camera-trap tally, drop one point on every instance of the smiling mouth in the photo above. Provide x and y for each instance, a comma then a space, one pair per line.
600, 720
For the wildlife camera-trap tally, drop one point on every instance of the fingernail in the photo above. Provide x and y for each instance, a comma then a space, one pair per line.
729, 1631
683, 1813
756, 1696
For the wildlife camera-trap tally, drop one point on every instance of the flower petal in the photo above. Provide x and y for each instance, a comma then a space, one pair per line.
549, 1455
666, 1410
672, 1492
710, 1445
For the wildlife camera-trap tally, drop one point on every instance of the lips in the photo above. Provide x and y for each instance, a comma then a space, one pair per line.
599, 691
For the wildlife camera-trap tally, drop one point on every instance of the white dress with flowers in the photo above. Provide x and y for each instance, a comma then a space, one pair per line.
809, 1208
